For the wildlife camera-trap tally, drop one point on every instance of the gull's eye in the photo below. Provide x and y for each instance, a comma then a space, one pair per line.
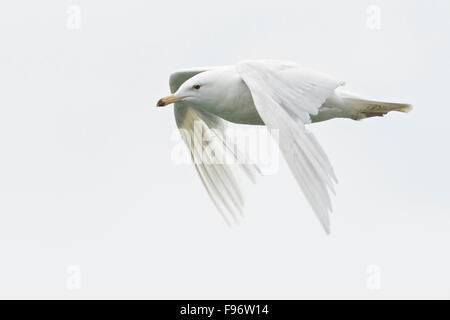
196, 87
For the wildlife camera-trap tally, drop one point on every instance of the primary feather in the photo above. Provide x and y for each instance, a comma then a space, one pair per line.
285, 96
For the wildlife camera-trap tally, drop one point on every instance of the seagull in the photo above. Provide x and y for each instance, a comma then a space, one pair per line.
283, 96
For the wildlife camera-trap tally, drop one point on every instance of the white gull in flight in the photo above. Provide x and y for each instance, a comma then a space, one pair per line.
282, 96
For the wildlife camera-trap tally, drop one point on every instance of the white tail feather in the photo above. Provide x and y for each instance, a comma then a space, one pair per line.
364, 108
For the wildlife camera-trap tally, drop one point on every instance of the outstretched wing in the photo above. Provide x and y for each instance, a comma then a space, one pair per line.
285, 95
204, 135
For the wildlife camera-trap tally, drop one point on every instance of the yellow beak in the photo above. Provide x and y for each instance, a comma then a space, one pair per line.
167, 100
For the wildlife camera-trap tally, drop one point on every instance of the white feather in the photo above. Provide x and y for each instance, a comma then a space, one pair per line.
285, 96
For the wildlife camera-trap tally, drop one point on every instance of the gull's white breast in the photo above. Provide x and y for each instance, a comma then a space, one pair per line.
234, 102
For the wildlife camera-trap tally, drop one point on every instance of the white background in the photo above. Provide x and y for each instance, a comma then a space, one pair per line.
91, 205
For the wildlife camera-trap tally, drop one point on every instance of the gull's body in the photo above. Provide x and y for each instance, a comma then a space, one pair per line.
236, 104
280, 95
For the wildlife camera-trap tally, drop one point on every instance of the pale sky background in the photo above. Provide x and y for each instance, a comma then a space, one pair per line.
91, 205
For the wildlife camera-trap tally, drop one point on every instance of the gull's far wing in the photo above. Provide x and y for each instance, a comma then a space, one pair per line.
285, 95
204, 135
179, 77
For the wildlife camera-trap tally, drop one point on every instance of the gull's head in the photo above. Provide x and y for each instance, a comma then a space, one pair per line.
203, 89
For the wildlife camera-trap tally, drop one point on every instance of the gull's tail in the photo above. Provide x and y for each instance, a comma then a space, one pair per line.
363, 108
